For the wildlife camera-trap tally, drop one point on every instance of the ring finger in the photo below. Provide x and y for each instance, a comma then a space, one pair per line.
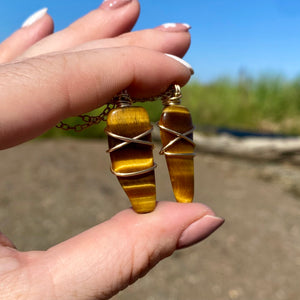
112, 18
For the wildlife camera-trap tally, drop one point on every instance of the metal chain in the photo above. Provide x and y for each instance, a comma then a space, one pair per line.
170, 92
87, 120
92, 120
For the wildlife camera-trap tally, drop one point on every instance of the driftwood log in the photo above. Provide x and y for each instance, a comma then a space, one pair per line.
273, 149
259, 148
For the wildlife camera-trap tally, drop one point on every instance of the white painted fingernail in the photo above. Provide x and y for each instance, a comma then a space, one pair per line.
186, 64
174, 27
188, 26
177, 25
35, 17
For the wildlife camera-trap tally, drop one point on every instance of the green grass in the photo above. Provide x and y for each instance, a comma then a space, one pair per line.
269, 103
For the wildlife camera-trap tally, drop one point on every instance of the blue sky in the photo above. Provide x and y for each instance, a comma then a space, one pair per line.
257, 36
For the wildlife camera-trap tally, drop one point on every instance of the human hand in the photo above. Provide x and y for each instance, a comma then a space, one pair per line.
46, 77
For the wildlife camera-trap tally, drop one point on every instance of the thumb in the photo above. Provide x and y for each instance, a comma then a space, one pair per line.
107, 258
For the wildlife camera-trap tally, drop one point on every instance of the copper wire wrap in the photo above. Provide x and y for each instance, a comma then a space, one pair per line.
179, 136
169, 100
126, 141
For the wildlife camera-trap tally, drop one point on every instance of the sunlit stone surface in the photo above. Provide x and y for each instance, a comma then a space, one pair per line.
131, 122
181, 168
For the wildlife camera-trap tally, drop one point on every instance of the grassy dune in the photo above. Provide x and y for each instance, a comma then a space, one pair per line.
269, 103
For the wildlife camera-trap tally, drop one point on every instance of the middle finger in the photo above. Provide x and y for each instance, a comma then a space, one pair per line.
172, 42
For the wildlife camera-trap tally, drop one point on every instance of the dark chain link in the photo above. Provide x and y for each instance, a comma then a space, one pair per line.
170, 92
92, 120
87, 120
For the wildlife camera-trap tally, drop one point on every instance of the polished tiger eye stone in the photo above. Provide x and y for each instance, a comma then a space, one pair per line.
181, 167
130, 122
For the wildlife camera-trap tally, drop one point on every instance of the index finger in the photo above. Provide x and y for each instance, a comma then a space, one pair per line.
37, 93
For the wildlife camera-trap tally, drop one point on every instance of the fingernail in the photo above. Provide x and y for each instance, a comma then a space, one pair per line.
199, 230
186, 64
113, 4
35, 17
174, 27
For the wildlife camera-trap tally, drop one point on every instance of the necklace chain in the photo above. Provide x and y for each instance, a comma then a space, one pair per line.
92, 120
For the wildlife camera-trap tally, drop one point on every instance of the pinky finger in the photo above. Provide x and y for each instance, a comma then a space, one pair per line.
35, 28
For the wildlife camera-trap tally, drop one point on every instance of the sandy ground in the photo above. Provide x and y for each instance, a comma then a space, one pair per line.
52, 190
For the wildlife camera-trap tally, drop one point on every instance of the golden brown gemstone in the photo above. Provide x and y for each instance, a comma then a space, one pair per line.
181, 167
133, 157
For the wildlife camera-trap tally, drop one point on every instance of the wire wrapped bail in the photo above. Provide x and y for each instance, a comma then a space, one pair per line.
172, 96
122, 99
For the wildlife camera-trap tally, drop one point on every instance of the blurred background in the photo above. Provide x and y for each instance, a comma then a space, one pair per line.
245, 103
244, 54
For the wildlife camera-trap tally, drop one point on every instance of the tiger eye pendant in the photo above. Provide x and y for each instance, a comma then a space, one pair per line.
176, 131
130, 147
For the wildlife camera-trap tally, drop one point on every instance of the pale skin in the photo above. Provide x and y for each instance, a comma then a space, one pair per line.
46, 77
